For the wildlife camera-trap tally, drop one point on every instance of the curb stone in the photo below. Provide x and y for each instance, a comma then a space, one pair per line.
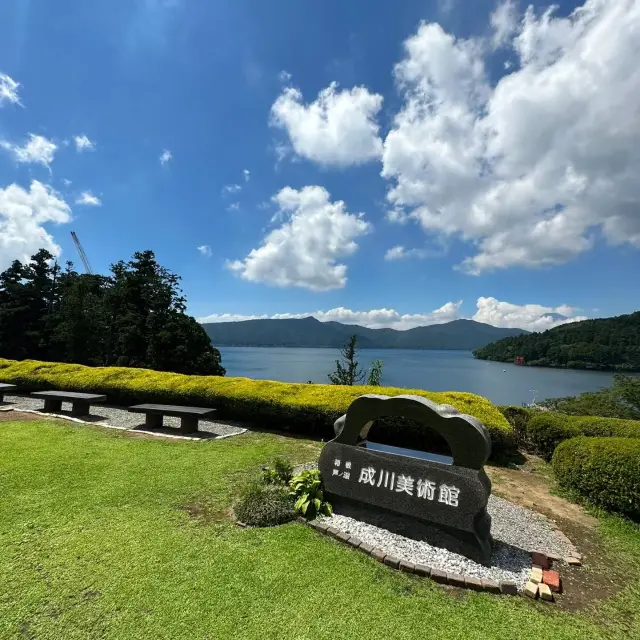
506, 587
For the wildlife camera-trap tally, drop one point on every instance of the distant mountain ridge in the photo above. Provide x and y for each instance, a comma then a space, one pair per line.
309, 332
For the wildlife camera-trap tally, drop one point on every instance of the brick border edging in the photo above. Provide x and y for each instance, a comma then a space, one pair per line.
504, 587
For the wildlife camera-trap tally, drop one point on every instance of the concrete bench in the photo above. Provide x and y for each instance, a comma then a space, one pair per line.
6, 388
81, 402
189, 416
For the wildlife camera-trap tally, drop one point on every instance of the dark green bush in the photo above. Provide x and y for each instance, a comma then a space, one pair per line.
518, 418
547, 429
264, 505
604, 471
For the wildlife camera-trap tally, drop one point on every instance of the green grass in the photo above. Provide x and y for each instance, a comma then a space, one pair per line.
95, 543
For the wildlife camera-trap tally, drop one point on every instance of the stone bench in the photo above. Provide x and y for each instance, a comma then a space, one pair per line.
81, 402
189, 416
6, 388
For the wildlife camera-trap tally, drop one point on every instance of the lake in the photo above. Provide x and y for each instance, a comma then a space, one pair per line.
432, 370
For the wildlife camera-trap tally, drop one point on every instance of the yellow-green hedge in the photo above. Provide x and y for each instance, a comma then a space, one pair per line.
308, 409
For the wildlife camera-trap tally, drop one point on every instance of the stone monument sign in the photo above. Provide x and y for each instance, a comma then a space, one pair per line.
451, 497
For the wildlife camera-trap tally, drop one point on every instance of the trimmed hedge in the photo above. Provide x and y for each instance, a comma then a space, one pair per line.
542, 431
604, 471
307, 409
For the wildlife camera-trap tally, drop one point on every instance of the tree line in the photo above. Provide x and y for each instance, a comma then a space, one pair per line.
133, 317
607, 344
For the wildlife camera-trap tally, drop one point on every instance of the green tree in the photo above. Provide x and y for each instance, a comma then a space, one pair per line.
347, 373
375, 374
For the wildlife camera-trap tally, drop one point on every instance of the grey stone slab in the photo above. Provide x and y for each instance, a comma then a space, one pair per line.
423, 570
439, 576
392, 561
407, 567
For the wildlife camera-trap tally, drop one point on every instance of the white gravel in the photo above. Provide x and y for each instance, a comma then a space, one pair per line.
119, 417
516, 531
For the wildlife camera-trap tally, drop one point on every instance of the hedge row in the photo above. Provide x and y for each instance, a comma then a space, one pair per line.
542, 431
605, 471
306, 409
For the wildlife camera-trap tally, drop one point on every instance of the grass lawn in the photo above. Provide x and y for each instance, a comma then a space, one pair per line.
95, 542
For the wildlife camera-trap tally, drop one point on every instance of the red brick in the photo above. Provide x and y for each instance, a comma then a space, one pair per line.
552, 579
541, 559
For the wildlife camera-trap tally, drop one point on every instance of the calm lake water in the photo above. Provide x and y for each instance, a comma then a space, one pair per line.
433, 370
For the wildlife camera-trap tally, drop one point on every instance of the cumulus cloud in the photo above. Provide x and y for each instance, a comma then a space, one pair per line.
87, 198
83, 143
304, 251
338, 128
374, 319
8, 90
205, 250
526, 170
37, 150
165, 157
532, 317
23, 214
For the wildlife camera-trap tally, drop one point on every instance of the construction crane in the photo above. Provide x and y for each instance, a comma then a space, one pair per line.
83, 255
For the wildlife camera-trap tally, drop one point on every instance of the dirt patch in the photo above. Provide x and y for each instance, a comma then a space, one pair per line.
15, 416
602, 575
204, 514
530, 489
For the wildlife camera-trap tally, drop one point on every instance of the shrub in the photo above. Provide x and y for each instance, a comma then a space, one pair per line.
307, 409
308, 492
604, 471
518, 418
280, 472
264, 505
546, 430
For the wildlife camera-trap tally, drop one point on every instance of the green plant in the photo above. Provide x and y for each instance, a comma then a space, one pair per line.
547, 429
604, 471
375, 374
350, 374
264, 505
306, 487
279, 472
306, 409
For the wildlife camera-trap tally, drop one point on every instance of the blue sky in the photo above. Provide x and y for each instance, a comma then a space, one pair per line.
391, 164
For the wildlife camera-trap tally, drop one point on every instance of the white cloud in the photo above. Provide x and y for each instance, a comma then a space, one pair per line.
525, 170
165, 156
504, 22
231, 188
304, 251
205, 250
22, 216
37, 149
66, 181
247, 174
87, 198
234, 206
83, 143
374, 319
338, 128
8, 90
532, 317
401, 253
284, 77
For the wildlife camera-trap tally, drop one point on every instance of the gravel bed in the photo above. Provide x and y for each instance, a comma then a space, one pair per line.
119, 417
307, 466
516, 532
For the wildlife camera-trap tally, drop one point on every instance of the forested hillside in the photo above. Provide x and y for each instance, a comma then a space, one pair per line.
310, 332
134, 317
605, 344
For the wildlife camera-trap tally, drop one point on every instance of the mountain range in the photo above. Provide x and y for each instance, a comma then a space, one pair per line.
310, 332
